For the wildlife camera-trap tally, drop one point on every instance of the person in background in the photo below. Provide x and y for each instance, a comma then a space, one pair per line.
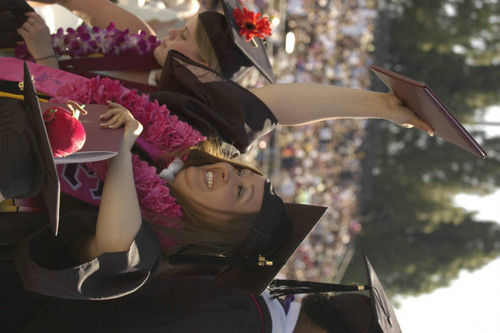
206, 38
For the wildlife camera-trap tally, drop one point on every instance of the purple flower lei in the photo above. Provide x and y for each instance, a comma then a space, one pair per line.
86, 40
162, 130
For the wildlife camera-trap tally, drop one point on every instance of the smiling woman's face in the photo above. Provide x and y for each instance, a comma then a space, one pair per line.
222, 189
182, 40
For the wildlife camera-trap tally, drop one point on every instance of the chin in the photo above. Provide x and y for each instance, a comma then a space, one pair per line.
160, 55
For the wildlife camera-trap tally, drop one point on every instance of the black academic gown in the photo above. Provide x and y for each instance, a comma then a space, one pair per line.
165, 304
213, 104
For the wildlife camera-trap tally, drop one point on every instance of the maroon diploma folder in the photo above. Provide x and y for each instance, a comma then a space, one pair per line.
419, 98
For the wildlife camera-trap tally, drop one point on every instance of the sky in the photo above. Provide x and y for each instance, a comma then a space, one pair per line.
472, 302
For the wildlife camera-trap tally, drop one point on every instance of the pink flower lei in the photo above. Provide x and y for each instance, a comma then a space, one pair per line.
86, 40
157, 205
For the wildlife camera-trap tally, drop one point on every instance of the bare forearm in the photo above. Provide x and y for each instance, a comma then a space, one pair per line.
296, 104
36, 35
50, 62
101, 13
119, 217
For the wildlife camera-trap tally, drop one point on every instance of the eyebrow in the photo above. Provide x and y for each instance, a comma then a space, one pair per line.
250, 196
187, 30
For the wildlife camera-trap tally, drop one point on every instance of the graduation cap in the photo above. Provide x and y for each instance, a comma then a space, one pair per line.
216, 104
27, 166
255, 279
365, 315
12, 18
232, 49
278, 231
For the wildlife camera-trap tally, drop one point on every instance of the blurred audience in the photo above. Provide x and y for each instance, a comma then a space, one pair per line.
321, 163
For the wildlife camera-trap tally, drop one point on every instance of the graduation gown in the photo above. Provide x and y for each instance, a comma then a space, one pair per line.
165, 304
45, 264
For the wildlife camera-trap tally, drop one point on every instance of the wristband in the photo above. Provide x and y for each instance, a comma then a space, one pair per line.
50, 56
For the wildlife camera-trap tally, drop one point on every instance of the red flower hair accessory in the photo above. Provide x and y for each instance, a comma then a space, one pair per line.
251, 25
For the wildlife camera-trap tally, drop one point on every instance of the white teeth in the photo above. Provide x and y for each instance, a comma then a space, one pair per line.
210, 179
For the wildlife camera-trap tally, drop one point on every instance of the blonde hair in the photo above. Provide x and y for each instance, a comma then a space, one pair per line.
205, 48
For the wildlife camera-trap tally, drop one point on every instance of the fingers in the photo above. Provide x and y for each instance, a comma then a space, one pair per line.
407, 118
116, 116
417, 122
421, 125
36, 35
33, 23
34, 16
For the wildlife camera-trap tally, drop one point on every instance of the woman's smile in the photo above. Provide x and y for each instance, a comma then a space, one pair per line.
210, 179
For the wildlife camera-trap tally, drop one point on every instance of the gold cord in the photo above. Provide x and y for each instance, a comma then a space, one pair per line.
16, 96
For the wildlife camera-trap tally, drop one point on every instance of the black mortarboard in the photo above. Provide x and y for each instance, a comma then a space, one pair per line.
27, 165
365, 315
12, 18
232, 50
255, 279
216, 104
278, 231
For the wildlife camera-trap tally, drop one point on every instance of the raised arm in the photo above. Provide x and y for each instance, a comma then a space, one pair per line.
301, 103
36, 35
101, 13
119, 218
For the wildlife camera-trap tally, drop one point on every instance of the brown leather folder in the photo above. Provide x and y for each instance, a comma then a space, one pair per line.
419, 98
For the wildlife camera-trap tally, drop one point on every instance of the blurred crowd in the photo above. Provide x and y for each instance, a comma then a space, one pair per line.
333, 40
321, 163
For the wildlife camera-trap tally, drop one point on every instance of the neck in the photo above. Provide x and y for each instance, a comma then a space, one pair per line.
134, 76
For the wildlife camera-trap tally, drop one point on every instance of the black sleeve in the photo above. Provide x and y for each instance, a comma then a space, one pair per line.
165, 304
214, 105
44, 264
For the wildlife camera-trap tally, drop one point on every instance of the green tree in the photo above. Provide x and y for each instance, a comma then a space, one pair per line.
410, 262
453, 46
414, 235
415, 177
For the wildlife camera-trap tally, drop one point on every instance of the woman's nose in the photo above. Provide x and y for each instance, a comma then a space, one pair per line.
227, 172
172, 33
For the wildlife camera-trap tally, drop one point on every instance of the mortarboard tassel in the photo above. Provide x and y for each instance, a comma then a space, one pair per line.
218, 260
288, 287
